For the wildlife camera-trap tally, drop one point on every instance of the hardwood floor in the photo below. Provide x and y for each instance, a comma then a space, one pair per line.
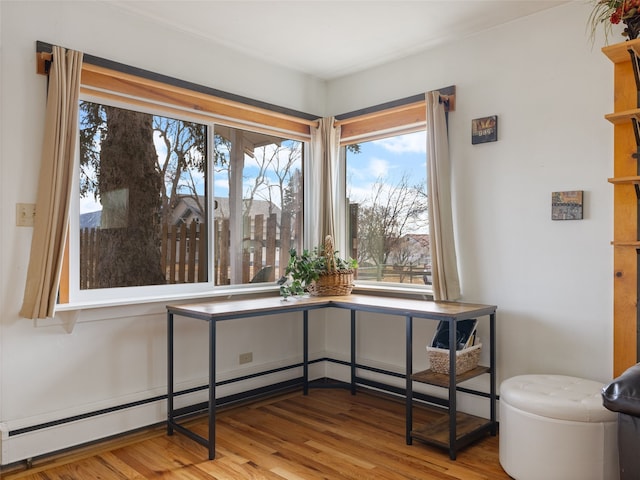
328, 434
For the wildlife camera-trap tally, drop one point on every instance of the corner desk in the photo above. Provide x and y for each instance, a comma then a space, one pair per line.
447, 435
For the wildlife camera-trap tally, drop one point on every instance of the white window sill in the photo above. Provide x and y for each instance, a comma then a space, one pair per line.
424, 292
217, 292
69, 314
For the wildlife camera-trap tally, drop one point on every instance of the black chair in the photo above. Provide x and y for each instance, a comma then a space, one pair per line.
622, 395
263, 275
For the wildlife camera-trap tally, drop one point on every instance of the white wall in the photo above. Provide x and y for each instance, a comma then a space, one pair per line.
550, 280
47, 374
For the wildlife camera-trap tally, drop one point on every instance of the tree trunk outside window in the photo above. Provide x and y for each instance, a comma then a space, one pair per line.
129, 186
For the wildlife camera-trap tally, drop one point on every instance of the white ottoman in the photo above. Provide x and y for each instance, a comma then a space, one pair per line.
554, 427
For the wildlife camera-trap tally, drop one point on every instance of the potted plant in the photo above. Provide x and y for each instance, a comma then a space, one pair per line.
612, 12
320, 272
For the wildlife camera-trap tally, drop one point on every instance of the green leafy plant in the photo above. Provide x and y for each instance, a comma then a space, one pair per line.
304, 269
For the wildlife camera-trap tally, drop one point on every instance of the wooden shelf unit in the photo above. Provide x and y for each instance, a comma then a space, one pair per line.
626, 182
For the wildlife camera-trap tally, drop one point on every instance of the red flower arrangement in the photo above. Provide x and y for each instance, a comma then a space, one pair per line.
612, 12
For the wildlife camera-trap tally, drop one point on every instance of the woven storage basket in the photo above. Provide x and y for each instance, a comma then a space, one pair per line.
466, 359
334, 281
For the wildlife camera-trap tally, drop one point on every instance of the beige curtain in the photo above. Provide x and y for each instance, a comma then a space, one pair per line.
54, 185
322, 182
446, 284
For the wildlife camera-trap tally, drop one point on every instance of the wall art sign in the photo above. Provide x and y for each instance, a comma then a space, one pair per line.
566, 205
484, 130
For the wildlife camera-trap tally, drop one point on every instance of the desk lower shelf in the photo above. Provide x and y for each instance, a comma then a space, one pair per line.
436, 433
442, 380
467, 427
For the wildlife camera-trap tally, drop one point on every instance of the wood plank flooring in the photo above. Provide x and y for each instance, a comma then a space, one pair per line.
328, 434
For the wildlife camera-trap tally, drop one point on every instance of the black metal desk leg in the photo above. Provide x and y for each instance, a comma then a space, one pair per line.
492, 375
305, 352
408, 374
212, 389
353, 352
453, 410
169, 373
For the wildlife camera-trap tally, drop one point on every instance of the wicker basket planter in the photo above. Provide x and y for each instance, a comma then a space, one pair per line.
466, 359
320, 272
334, 283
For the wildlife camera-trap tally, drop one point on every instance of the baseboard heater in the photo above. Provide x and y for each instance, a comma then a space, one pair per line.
258, 393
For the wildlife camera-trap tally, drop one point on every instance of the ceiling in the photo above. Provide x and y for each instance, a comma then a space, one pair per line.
328, 39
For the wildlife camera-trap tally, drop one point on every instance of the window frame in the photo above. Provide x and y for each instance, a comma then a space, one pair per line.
126, 90
373, 285
403, 116
72, 252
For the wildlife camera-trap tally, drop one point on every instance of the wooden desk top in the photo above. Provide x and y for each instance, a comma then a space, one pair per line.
247, 307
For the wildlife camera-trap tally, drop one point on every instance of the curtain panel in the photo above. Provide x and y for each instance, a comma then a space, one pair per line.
446, 283
54, 185
321, 182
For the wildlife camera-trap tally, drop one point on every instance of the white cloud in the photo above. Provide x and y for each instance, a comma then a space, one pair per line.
355, 174
221, 187
374, 169
378, 167
411, 143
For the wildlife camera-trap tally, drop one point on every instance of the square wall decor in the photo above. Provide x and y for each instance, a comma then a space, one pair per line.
484, 129
566, 205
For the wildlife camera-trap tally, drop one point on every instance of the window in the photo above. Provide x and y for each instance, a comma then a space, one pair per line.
387, 200
258, 205
142, 191
171, 201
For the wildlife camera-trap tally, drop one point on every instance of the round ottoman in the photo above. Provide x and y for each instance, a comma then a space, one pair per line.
554, 427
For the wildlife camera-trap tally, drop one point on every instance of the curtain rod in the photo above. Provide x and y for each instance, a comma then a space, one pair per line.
44, 56
447, 95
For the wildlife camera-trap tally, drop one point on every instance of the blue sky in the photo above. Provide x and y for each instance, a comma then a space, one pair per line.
386, 159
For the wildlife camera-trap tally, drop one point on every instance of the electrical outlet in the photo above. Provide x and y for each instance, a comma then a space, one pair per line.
246, 357
25, 214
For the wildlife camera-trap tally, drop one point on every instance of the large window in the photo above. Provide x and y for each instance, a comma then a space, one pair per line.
387, 199
167, 201
182, 187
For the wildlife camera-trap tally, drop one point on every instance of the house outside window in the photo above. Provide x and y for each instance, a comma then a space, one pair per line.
388, 230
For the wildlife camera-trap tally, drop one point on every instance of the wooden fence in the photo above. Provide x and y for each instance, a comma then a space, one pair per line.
267, 245
184, 252
265, 253
396, 273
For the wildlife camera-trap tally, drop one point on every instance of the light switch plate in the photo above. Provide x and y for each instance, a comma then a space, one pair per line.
25, 214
